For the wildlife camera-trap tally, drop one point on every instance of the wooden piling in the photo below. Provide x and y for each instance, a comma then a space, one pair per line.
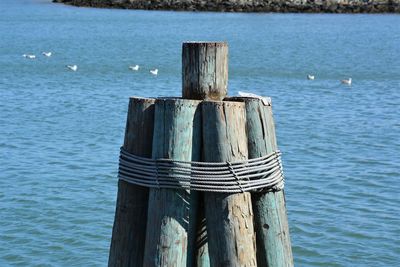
128, 234
231, 238
204, 70
177, 135
175, 227
204, 76
270, 217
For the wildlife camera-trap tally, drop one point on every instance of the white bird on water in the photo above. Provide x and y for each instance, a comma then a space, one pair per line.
154, 72
135, 68
29, 56
47, 54
310, 77
72, 67
348, 81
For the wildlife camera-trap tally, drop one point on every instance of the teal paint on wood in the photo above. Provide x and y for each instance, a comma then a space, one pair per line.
177, 135
129, 229
202, 254
270, 217
192, 227
229, 217
204, 76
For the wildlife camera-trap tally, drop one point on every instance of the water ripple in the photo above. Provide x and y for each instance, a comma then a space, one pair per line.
60, 131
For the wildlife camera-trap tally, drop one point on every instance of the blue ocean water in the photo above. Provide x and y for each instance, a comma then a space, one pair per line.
60, 131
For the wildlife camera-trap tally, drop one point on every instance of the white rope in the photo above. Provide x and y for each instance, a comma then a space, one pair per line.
263, 173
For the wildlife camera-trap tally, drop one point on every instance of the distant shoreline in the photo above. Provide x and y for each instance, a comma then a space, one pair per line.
278, 6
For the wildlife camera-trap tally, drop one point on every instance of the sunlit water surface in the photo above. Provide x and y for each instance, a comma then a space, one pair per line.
60, 131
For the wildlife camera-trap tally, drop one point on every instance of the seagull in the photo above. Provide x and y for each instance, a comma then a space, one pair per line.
154, 72
72, 67
310, 77
135, 68
348, 81
29, 56
47, 54
265, 99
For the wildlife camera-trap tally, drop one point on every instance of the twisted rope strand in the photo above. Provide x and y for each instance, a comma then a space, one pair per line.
263, 173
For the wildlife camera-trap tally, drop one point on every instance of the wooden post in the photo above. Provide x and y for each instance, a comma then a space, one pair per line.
177, 135
204, 76
180, 231
271, 223
229, 219
231, 238
204, 70
131, 209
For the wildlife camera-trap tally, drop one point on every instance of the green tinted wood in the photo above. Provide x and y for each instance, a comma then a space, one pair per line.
229, 217
270, 217
177, 129
128, 236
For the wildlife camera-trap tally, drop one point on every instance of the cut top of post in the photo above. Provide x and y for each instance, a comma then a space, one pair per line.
205, 70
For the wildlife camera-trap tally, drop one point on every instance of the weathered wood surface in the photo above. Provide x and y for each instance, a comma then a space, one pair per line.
204, 76
231, 238
202, 254
128, 234
204, 70
270, 217
192, 227
177, 135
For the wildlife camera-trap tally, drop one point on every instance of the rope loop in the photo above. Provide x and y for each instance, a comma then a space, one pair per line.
259, 174
158, 183
234, 175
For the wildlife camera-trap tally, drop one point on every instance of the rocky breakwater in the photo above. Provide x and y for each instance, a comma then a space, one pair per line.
295, 6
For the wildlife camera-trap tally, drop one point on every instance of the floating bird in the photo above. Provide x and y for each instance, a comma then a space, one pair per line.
72, 67
135, 68
29, 56
310, 77
154, 72
348, 81
47, 54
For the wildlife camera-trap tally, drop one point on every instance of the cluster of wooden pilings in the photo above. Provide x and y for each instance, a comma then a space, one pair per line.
176, 227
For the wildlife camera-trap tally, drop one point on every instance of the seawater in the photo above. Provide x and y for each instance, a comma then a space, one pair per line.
60, 131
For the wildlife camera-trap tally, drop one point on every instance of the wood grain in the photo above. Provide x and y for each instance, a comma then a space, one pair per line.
270, 216
231, 238
204, 70
177, 135
204, 76
128, 236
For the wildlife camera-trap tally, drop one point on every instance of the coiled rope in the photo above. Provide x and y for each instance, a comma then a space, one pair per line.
263, 173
